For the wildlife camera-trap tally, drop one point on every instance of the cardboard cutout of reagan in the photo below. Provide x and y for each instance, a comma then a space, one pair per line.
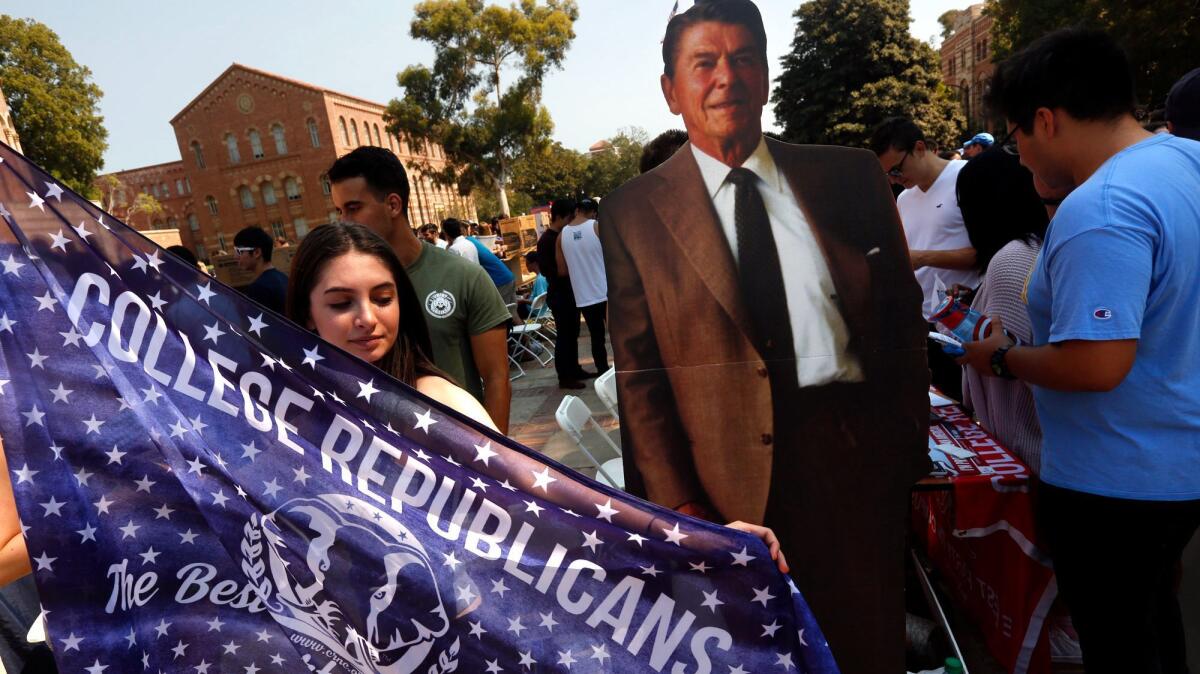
768, 338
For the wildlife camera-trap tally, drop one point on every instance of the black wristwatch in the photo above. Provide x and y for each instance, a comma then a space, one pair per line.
999, 367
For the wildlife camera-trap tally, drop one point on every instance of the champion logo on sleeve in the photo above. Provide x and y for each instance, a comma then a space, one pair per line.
1102, 314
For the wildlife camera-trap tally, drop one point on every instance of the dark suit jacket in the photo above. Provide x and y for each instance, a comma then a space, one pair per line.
694, 395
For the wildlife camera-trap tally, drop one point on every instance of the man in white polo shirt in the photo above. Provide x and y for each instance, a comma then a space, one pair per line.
938, 245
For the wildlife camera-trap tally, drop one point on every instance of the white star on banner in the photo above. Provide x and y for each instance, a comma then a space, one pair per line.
366, 390
465, 594
102, 505
96, 667
36, 202
301, 476
114, 455
531, 507
213, 332
71, 337
479, 484
250, 451
763, 596
139, 263
187, 537
129, 530
699, 568
770, 630
6, 324
61, 394
59, 241
25, 475
153, 260
542, 479
82, 231
599, 653
565, 658
11, 266
231, 648
162, 626
785, 660
271, 488
198, 424
673, 534
548, 621
149, 556
3, 383
152, 395
493, 667
741, 558
800, 635
256, 325
737, 670
527, 659
53, 507
215, 624
36, 359
163, 512
46, 302
711, 601
54, 191
205, 292
498, 587
477, 630
157, 301
591, 540
87, 533
179, 649
424, 421
484, 452
71, 643
451, 561
651, 571
45, 562
145, 484
219, 497
33, 416
311, 357
93, 424
83, 476
606, 511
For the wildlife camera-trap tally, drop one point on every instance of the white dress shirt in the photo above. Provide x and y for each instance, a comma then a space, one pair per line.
464, 248
819, 333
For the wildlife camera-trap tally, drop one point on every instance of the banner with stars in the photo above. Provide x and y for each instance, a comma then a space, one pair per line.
205, 487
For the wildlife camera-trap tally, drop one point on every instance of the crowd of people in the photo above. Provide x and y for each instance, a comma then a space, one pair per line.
770, 306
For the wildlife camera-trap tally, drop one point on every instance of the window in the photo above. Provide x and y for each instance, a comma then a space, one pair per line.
246, 196
201, 253
313, 136
326, 186
378, 140
198, 154
193, 222
179, 187
277, 229
280, 141
301, 227
221, 242
187, 184
232, 146
166, 191
345, 133
291, 188
354, 128
153, 190
256, 144
211, 201
268, 192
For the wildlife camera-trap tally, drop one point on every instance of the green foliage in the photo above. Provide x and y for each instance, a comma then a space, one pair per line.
1162, 38
606, 171
462, 102
53, 101
947, 20
853, 63
549, 173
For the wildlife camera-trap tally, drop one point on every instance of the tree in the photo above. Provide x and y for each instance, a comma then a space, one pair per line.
462, 102
947, 20
608, 170
53, 101
1162, 38
853, 63
549, 173
144, 204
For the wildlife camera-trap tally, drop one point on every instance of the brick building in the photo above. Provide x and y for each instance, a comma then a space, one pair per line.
8, 132
254, 148
967, 64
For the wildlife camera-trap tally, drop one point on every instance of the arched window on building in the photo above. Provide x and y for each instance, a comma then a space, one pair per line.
345, 133
326, 186
277, 229
354, 128
193, 222
268, 192
179, 186
313, 136
211, 202
232, 146
301, 227
187, 184
291, 188
166, 190
280, 141
198, 154
221, 242
378, 139
246, 196
391, 146
256, 144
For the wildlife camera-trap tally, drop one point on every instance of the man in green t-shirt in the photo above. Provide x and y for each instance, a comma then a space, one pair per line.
468, 322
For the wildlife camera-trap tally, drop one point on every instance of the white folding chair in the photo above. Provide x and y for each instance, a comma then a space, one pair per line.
606, 390
540, 311
573, 416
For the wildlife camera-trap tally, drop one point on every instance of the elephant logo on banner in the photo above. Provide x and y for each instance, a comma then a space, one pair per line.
351, 578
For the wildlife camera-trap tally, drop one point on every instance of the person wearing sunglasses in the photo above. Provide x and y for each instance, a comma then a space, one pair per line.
253, 247
939, 247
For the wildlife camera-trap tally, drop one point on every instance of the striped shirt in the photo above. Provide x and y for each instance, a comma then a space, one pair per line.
1005, 407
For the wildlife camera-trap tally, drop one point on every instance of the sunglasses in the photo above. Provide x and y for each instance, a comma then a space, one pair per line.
898, 170
1009, 142
243, 251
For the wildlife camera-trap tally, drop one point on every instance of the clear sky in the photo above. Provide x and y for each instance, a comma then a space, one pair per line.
152, 58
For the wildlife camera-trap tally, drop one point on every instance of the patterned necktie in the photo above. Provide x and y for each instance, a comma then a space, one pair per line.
761, 276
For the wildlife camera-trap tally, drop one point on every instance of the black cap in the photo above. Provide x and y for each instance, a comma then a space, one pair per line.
1183, 106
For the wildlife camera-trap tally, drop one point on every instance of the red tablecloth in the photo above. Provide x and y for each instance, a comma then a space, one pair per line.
974, 522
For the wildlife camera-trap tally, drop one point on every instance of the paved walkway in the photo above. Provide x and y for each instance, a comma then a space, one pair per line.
536, 396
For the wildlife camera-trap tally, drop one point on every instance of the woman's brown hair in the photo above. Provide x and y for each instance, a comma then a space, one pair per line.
409, 357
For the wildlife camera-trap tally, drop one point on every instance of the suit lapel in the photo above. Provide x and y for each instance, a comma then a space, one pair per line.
686, 210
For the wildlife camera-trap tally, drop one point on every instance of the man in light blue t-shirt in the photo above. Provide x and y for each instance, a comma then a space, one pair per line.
1115, 365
